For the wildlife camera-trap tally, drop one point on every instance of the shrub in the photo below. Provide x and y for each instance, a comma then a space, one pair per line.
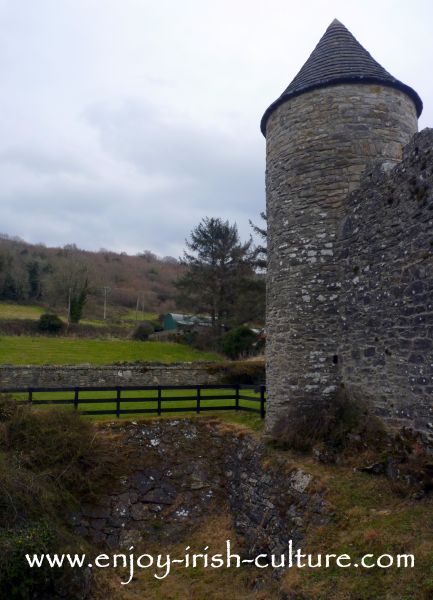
17, 580
157, 326
8, 407
206, 339
248, 372
63, 444
334, 424
143, 330
49, 323
18, 327
50, 462
238, 342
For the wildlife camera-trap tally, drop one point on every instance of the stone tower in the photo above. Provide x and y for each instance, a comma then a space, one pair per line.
341, 112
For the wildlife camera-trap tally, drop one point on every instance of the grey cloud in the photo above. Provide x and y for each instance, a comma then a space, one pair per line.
41, 161
213, 168
123, 124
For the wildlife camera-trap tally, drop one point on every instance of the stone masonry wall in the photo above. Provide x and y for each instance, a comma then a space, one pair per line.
227, 472
386, 354
111, 375
318, 145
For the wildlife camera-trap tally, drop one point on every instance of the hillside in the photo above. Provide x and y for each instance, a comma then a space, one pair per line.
40, 275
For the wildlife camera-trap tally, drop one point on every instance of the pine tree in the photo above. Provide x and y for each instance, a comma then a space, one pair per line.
218, 267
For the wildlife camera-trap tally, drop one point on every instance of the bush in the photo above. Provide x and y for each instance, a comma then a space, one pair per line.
8, 407
50, 462
17, 580
143, 330
63, 444
238, 342
247, 372
18, 327
157, 326
335, 424
49, 323
206, 339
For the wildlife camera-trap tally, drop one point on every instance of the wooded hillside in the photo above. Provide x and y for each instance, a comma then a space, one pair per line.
41, 275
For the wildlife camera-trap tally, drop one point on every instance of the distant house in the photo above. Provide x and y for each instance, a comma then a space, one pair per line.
175, 322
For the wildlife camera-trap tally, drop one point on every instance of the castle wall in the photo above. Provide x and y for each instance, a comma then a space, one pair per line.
387, 294
107, 375
318, 144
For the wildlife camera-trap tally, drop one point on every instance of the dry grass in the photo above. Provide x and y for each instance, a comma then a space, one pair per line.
199, 583
50, 462
62, 454
368, 517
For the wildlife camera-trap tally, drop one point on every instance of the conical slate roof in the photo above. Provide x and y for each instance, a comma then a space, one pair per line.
339, 58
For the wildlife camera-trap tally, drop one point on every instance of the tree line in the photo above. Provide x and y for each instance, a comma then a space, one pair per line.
62, 277
218, 275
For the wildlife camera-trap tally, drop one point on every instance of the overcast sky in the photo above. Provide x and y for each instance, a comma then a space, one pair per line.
124, 122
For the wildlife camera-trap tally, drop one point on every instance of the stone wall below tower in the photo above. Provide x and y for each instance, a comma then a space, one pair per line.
386, 302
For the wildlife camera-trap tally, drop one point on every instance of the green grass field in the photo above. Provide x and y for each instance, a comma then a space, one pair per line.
18, 311
132, 315
22, 350
147, 399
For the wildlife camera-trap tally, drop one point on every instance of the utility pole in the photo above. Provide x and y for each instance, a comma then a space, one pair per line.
69, 305
107, 290
140, 299
136, 308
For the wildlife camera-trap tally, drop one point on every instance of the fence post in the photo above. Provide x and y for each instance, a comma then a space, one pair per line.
159, 400
76, 399
262, 401
237, 396
117, 402
30, 396
198, 399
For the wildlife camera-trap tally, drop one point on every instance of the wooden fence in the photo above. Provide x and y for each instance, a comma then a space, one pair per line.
202, 398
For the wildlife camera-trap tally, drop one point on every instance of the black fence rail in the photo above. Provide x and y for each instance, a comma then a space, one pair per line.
124, 400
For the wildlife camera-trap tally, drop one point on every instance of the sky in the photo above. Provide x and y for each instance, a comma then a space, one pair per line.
124, 122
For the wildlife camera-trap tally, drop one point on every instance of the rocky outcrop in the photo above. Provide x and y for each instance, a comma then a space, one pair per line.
272, 503
188, 469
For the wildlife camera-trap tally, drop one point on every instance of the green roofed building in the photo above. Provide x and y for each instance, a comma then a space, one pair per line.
173, 322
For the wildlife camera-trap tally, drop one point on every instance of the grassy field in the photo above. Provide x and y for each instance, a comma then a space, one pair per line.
141, 316
22, 350
21, 311
106, 401
18, 311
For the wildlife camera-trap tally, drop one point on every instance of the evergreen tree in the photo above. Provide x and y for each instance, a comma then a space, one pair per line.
261, 252
218, 267
34, 273
77, 302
